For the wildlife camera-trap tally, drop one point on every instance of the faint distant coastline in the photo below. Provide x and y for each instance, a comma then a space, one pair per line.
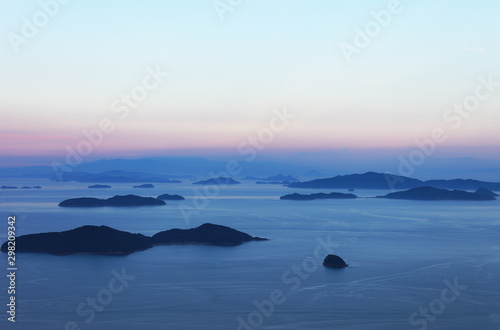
274, 178
333, 195
104, 240
207, 234
284, 183
115, 177
99, 186
218, 181
24, 187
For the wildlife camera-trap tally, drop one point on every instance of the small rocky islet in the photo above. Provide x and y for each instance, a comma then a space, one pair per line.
334, 261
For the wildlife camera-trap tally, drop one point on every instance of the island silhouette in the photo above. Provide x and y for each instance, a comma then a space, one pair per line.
419, 193
208, 234
145, 185
105, 240
485, 191
431, 193
99, 186
168, 197
374, 180
116, 201
334, 261
218, 181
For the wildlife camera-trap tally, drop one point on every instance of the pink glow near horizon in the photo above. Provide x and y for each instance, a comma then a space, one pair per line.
16, 144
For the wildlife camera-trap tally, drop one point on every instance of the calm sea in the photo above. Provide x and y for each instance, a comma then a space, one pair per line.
412, 265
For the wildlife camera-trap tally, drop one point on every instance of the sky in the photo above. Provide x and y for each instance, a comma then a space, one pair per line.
210, 75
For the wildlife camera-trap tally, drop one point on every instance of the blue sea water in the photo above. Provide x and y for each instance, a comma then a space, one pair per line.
412, 264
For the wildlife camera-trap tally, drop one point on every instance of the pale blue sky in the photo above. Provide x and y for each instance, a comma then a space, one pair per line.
226, 76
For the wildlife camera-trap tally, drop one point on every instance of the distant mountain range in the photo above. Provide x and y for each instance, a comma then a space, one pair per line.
113, 177
373, 180
169, 167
